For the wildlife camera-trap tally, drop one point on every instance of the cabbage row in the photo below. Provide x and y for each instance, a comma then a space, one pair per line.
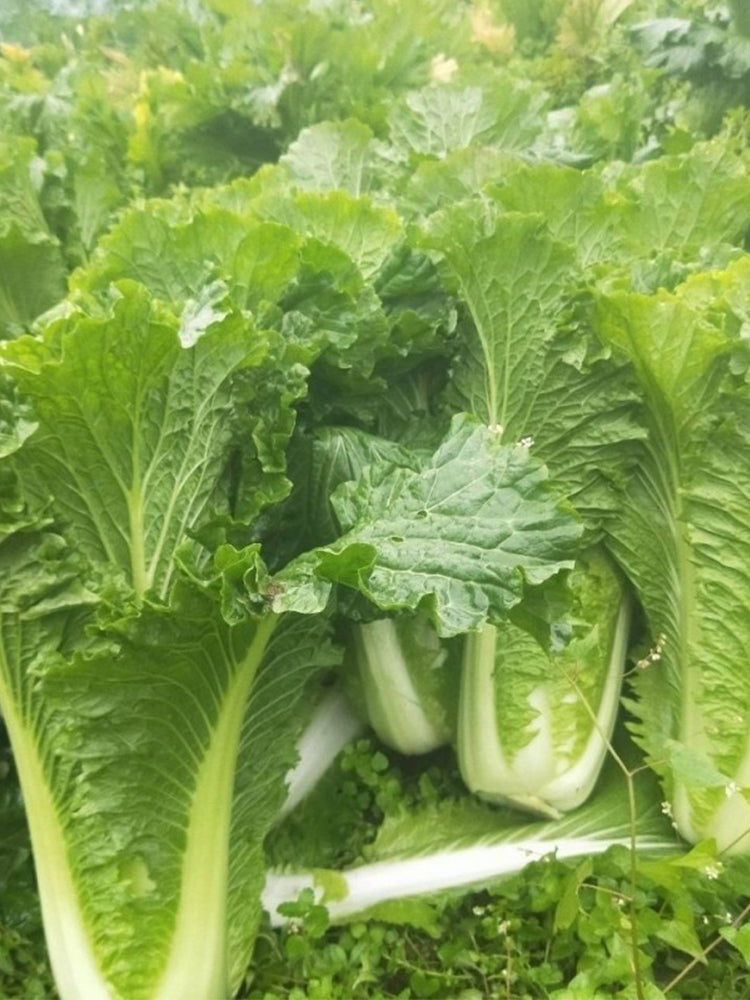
396, 349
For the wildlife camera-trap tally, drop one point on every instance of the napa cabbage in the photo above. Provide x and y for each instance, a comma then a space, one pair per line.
534, 723
682, 536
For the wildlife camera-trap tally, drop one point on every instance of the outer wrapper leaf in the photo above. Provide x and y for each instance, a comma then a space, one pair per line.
32, 272
523, 364
458, 537
134, 429
125, 743
335, 156
435, 120
298, 651
456, 845
682, 539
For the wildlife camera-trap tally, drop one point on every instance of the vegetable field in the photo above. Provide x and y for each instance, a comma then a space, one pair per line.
374, 499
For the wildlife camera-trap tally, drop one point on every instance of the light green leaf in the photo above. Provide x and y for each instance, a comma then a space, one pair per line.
166, 247
332, 885
518, 366
542, 743
698, 858
264, 264
296, 261
418, 913
32, 278
567, 907
319, 463
576, 209
119, 811
120, 822
693, 768
458, 176
16, 417
682, 936
739, 938
362, 230
514, 278
686, 202
334, 455
406, 681
332, 156
330, 310
134, 430
436, 120
682, 540
96, 194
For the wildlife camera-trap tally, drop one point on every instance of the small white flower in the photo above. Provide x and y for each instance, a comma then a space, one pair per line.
477, 910
712, 871
666, 808
442, 69
503, 927
653, 655
731, 788
526, 442
496, 429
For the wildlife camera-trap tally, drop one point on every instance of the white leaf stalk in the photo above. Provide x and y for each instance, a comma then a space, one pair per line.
405, 678
333, 724
386, 881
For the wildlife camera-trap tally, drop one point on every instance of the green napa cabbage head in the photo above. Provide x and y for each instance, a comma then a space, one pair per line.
534, 725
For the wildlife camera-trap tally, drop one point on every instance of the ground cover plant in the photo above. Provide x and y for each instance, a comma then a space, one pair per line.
374, 498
